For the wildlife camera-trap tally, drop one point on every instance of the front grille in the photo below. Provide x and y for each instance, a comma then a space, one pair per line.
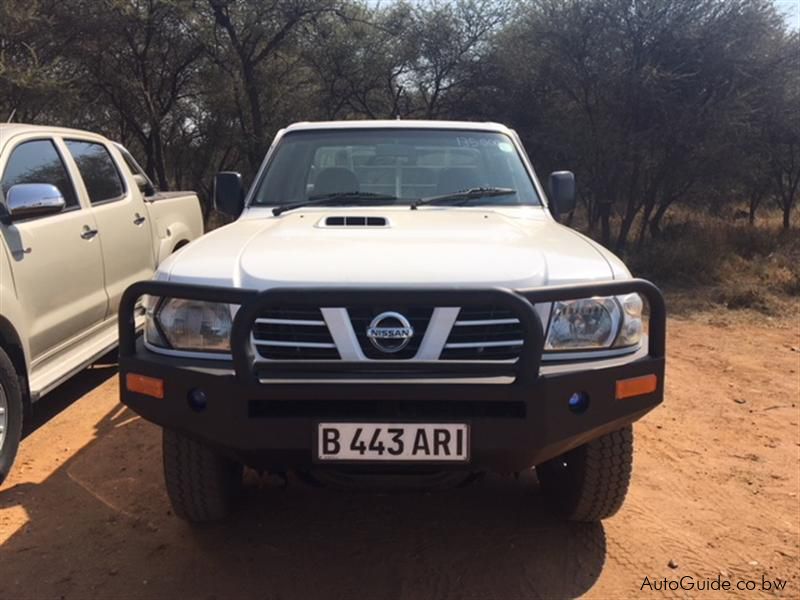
418, 317
297, 333
487, 333
484, 333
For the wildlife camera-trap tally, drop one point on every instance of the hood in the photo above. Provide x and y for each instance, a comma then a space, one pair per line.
429, 247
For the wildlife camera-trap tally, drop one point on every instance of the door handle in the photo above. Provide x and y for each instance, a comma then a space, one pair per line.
139, 219
88, 233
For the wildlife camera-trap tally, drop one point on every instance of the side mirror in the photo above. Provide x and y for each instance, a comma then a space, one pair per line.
144, 185
562, 192
229, 193
28, 200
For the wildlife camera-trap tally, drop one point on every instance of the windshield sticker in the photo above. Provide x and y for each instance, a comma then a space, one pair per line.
475, 142
505, 147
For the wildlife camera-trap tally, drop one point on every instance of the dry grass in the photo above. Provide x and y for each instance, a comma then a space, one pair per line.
704, 262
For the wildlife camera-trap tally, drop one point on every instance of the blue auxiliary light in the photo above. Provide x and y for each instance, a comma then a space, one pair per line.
578, 402
198, 400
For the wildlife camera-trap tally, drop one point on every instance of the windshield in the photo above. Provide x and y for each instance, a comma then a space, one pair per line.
394, 166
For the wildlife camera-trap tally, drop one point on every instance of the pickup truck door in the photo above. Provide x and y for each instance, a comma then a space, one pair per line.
122, 218
56, 260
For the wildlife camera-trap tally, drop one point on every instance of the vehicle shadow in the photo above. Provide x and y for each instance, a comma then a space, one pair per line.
71, 390
101, 526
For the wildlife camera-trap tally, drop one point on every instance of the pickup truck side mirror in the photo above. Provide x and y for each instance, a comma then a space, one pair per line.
229, 193
28, 200
144, 185
562, 192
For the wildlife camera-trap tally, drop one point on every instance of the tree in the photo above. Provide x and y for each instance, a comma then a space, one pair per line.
450, 41
255, 32
35, 78
644, 95
359, 58
782, 125
651, 102
140, 59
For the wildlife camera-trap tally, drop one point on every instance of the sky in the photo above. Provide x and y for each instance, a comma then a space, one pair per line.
791, 9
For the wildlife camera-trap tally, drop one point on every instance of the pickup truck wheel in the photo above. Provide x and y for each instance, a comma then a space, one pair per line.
589, 483
10, 414
202, 484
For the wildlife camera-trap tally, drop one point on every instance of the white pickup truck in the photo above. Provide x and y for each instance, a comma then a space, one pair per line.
79, 222
395, 299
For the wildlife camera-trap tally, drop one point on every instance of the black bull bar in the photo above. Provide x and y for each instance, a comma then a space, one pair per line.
250, 369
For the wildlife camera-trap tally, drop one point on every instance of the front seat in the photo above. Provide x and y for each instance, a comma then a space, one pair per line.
457, 179
335, 180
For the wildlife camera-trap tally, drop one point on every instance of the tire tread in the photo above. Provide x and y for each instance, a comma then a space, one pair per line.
201, 483
594, 486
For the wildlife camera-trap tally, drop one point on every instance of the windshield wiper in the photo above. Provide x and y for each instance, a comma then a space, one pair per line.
326, 198
464, 195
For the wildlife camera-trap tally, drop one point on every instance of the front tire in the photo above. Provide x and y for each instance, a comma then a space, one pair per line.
202, 484
10, 414
589, 483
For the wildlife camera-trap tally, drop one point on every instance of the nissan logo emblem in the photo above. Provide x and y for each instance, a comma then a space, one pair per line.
390, 332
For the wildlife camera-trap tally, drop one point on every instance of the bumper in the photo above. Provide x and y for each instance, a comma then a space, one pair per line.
266, 412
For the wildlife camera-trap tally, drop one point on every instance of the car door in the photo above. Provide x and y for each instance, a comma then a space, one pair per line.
125, 235
56, 260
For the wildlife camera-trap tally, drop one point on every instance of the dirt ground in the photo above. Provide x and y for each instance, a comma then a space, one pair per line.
715, 491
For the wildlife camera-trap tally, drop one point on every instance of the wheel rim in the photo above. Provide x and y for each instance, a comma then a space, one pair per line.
3, 416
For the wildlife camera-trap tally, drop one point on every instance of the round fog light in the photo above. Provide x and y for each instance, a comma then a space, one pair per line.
578, 402
198, 400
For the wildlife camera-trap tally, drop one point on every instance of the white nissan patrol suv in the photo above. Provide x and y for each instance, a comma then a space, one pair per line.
395, 298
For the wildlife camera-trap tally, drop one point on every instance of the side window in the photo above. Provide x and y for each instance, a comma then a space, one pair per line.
38, 161
135, 168
129, 162
132, 165
100, 175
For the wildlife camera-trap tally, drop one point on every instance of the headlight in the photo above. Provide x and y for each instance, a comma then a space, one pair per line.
595, 323
630, 333
188, 325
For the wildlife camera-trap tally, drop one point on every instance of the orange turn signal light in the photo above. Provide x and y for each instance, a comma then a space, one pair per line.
636, 386
141, 384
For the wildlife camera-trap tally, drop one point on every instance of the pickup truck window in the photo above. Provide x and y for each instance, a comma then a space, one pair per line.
403, 165
133, 167
136, 169
100, 175
38, 161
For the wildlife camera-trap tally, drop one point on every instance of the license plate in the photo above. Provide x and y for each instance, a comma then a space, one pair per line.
417, 442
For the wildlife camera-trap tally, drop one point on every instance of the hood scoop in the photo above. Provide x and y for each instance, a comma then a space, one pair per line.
354, 221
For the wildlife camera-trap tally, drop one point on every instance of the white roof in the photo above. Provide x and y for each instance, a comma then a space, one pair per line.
397, 124
11, 129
